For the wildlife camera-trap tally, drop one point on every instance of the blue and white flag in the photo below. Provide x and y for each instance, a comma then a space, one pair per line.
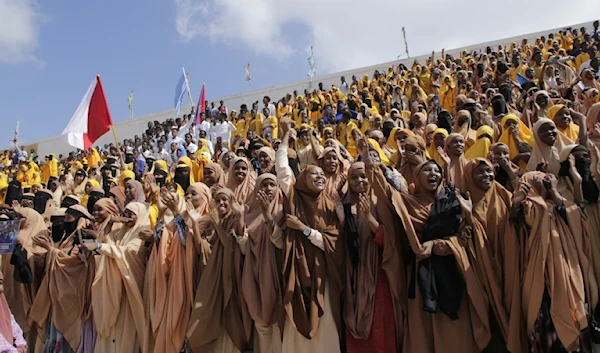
180, 90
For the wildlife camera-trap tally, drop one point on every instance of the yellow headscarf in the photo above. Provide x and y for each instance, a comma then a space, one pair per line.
432, 150
382, 155
204, 148
84, 199
126, 174
524, 134
391, 141
193, 168
572, 131
328, 128
481, 148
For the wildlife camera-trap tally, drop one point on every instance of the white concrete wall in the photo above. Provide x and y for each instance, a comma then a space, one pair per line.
136, 126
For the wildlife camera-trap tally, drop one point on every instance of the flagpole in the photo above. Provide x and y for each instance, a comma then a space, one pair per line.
112, 128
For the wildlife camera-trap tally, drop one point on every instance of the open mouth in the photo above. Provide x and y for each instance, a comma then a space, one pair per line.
222, 208
433, 180
320, 182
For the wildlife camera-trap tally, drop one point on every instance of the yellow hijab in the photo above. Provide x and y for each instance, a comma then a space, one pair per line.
572, 131
432, 150
382, 155
524, 134
481, 148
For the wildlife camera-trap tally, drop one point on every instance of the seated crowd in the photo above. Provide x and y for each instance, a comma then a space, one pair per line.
450, 206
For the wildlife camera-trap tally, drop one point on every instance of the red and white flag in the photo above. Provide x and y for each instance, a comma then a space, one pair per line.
91, 120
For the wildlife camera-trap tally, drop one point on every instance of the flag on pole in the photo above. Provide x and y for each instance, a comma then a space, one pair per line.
130, 101
201, 107
180, 90
248, 72
311, 62
15, 140
91, 119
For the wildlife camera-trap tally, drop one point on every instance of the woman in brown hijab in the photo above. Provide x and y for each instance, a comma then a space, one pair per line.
462, 126
20, 296
214, 175
369, 303
117, 194
220, 321
117, 288
332, 164
495, 253
262, 268
104, 210
554, 283
456, 320
241, 179
312, 272
415, 154
455, 160
63, 300
169, 282
134, 192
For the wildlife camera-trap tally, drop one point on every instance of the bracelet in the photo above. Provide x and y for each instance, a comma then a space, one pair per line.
270, 223
98, 246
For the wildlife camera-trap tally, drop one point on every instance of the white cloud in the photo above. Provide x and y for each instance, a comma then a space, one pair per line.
19, 31
351, 34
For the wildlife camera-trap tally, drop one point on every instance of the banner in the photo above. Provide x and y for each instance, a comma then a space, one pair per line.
9, 231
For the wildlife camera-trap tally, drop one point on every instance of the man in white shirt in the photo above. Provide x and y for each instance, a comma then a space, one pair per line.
223, 129
344, 86
204, 125
270, 106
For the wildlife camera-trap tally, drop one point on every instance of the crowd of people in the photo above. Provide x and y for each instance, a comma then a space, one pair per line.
450, 206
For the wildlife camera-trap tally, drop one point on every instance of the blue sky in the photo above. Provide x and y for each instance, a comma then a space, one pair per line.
50, 51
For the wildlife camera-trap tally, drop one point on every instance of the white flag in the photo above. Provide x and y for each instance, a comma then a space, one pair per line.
311, 62
248, 72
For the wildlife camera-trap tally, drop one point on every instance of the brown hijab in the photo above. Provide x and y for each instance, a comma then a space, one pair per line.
335, 181
219, 303
262, 274
551, 262
455, 168
414, 210
243, 190
219, 173
307, 269
118, 192
407, 169
361, 277
495, 252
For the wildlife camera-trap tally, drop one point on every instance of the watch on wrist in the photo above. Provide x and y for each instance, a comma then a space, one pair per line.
306, 232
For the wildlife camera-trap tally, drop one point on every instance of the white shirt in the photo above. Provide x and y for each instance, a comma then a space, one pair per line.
223, 130
272, 110
204, 126
344, 88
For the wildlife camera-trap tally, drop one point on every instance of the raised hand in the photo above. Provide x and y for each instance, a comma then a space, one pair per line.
362, 148
521, 193
573, 170
42, 241
264, 203
364, 205
466, 204
444, 155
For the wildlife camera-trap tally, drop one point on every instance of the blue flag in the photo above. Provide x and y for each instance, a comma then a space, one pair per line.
180, 90
521, 79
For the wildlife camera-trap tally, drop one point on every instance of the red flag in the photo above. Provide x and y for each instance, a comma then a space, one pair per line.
91, 120
201, 107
